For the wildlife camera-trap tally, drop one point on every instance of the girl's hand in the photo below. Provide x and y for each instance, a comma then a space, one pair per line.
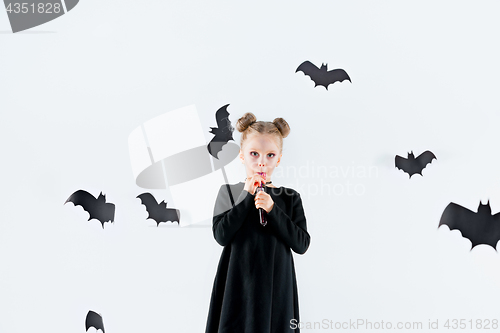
253, 182
264, 201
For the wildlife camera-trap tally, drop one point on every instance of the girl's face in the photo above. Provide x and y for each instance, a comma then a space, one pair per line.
260, 154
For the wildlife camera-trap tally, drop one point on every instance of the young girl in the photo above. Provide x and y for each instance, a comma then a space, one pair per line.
255, 290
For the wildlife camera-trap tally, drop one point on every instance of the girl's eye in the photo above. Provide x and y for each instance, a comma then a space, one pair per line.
271, 155
253, 152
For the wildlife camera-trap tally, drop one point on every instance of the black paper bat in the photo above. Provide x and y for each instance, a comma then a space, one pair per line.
412, 165
98, 208
479, 228
94, 320
322, 76
223, 133
159, 211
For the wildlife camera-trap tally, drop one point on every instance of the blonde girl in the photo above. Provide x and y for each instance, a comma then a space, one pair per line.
255, 288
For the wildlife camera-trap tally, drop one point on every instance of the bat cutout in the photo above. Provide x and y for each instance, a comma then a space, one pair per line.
479, 228
322, 76
412, 165
159, 211
223, 132
94, 320
98, 208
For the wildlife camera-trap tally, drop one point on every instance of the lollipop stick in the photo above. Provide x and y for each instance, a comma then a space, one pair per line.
263, 219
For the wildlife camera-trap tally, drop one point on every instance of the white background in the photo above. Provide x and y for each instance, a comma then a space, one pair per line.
424, 76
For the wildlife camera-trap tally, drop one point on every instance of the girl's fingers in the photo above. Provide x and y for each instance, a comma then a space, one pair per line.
254, 182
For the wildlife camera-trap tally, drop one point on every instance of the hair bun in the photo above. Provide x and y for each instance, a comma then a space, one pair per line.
282, 126
245, 121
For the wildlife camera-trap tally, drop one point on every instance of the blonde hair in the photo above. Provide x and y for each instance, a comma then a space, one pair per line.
248, 125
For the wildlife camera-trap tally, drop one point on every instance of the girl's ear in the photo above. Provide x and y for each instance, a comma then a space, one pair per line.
279, 160
241, 156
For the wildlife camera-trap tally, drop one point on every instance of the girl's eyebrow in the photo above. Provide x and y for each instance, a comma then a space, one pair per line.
271, 151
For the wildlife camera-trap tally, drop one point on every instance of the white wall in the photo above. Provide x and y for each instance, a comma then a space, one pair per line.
424, 76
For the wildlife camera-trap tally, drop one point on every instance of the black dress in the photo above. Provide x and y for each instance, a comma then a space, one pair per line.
255, 290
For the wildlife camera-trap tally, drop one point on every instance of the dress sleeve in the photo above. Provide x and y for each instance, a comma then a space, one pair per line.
228, 219
291, 229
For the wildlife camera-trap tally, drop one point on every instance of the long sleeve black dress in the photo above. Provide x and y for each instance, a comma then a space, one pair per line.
255, 290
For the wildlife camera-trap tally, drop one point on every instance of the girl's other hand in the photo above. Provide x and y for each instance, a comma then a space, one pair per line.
253, 182
264, 201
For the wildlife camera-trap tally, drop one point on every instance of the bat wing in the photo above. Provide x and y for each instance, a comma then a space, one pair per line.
335, 75
172, 215
215, 147
222, 117
423, 159
223, 133
404, 164
82, 198
97, 208
474, 227
94, 320
309, 69
495, 226
148, 200
111, 211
